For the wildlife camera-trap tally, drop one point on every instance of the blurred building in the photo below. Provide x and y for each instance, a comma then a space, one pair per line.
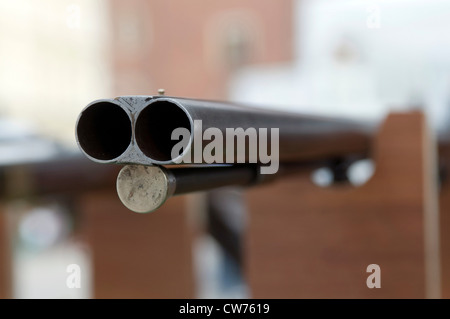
360, 59
190, 48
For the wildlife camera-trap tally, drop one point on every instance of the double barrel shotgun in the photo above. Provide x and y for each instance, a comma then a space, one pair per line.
171, 146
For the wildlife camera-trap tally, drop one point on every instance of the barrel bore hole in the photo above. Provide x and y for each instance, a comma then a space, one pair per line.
104, 131
154, 127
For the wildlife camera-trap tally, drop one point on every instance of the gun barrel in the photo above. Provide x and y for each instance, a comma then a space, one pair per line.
139, 130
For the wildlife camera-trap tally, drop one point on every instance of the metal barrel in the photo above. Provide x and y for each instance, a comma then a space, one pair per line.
300, 137
140, 130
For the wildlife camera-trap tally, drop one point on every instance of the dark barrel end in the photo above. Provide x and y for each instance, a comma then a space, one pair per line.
154, 127
104, 130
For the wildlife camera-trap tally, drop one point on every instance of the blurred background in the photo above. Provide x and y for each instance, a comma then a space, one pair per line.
357, 59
